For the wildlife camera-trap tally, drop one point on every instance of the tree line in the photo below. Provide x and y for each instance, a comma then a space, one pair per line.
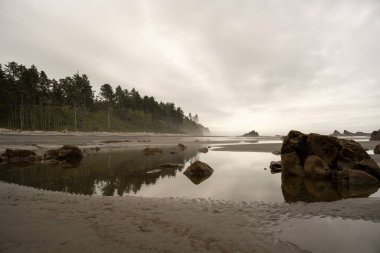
29, 100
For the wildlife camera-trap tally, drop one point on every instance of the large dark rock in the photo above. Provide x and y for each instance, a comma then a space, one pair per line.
315, 167
375, 136
20, 156
67, 153
291, 164
377, 149
358, 177
317, 156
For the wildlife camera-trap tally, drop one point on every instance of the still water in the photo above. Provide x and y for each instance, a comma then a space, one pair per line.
237, 176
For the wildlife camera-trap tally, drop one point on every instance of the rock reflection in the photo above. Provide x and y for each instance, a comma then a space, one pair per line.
114, 173
197, 179
306, 190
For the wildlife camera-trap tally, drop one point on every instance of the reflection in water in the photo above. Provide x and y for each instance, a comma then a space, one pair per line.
197, 179
237, 176
111, 173
308, 190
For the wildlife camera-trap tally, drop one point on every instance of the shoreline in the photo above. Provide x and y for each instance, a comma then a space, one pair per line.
44, 221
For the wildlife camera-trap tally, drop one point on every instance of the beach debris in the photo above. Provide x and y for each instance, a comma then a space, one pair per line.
375, 136
275, 167
326, 157
181, 147
152, 151
153, 171
198, 172
377, 149
203, 150
171, 165
20, 156
67, 153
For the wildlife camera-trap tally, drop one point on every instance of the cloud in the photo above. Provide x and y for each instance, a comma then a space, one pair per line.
241, 65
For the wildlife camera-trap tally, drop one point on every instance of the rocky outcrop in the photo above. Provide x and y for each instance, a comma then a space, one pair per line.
203, 150
20, 156
377, 149
326, 157
67, 153
152, 151
171, 165
375, 136
336, 133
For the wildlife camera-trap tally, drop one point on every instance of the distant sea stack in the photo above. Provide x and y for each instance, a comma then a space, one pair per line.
348, 133
253, 133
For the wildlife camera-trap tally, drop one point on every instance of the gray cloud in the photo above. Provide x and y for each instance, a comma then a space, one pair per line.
241, 65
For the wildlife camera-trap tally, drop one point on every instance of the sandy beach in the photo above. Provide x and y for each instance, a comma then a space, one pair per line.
34, 220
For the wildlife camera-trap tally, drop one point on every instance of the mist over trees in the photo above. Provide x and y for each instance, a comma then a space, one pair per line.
29, 100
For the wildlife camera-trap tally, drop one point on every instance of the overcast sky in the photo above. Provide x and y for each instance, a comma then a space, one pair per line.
266, 65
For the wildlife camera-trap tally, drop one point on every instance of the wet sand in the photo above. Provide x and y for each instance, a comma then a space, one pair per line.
40, 221
34, 220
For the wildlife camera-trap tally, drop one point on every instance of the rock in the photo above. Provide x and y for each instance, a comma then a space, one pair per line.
276, 152
253, 133
181, 147
20, 156
369, 166
291, 164
325, 147
173, 152
203, 150
345, 132
336, 133
275, 167
358, 177
198, 168
375, 136
352, 150
377, 149
152, 151
67, 153
316, 168
294, 142
171, 165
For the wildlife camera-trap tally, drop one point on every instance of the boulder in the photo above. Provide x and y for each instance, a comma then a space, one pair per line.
20, 156
369, 166
291, 164
152, 151
352, 150
325, 147
67, 153
203, 150
198, 168
316, 168
275, 167
377, 149
181, 147
358, 177
375, 136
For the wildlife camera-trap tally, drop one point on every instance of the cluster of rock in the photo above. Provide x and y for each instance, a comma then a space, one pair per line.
348, 133
65, 154
158, 151
326, 157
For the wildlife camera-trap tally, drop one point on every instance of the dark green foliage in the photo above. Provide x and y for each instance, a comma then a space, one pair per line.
29, 100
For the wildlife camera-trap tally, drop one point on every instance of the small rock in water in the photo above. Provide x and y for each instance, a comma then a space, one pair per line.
181, 147
20, 156
275, 167
171, 165
152, 151
377, 149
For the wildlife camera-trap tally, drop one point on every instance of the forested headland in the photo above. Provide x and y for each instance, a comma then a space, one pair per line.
30, 100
